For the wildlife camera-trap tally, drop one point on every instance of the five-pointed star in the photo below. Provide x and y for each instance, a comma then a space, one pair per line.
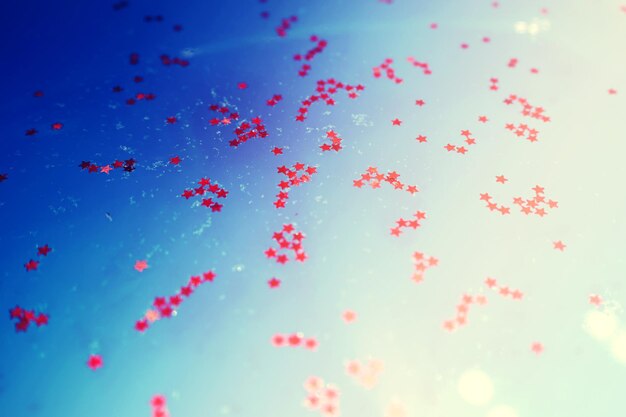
273, 283
141, 265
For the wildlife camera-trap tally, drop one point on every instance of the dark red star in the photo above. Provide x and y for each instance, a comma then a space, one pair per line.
44, 250
31, 265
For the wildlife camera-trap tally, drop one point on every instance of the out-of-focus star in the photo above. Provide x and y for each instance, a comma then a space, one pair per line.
559, 245
273, 283
141, 265
595, 299
349, 316
152, 315
95, 362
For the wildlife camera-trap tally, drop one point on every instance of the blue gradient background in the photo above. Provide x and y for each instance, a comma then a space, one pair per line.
215, 358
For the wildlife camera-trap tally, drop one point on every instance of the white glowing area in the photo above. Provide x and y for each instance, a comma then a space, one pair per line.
600, 325
502, 411
475, 387
618, 347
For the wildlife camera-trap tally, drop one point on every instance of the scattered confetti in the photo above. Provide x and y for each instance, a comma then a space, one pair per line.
24, 318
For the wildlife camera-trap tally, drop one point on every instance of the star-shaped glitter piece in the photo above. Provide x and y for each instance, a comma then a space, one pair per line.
141, 265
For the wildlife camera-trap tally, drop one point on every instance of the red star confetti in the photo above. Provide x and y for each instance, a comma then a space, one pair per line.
140, 266
365, 373
140, 97
245, 131
403, 224
31, 265
274, 100
335, 142
538, 205
299, 174
44, 250
421, 263
324, 91
462, 310
285, 25
205, 186
595, 299
91, 168
388, 70
167, 61
167, 306
469, 140
492, 206
501, 179
522, 129
310, 54
504, 291
294, 340
349, 316
24, 318
374, 178
421, 65
273, 283
321, 397
158, 403
95, 362
493, 84
287, 239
